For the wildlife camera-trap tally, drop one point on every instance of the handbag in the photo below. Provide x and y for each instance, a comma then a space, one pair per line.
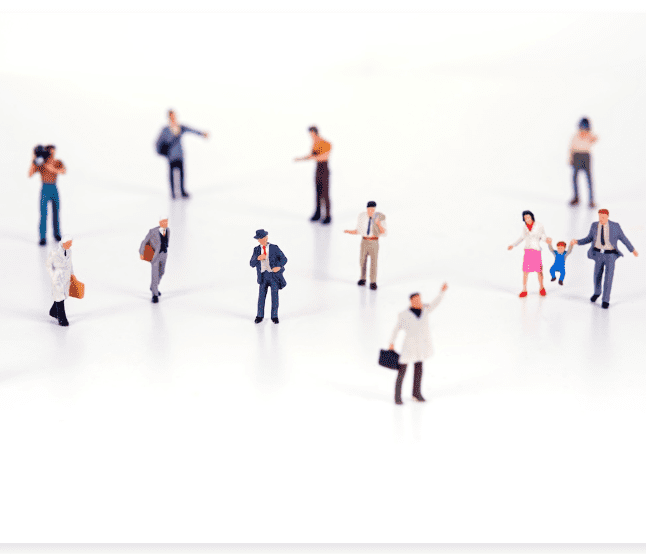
149, 253
389, 359
77, 289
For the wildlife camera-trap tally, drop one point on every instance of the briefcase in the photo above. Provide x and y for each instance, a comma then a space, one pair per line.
149, 253
389, 359
77, 289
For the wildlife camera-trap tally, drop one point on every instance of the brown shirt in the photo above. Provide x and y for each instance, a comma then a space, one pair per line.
49, 177
321, 147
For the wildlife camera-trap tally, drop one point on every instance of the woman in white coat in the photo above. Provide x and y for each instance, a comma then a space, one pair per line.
59, 267
533, 232
417, 343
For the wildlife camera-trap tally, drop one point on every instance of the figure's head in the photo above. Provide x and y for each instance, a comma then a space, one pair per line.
172, 117
66, 242
163, 221
584, 124
528, 217
371, 207
416, 301
51, 149
603, 216
314, 132
560, 246
262, 236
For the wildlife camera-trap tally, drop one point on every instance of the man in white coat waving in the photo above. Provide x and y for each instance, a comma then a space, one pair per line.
417, 343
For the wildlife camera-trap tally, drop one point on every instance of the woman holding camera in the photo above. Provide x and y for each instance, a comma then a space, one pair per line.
49, 167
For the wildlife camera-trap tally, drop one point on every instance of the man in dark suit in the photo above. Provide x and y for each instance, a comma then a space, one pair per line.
603, 237
269, 262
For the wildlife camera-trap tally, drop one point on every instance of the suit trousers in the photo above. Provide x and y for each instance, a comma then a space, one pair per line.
49, 193
369, 248
322, 180
268, 280
158, 268
417, 380
601, 262
581, 160
179, 164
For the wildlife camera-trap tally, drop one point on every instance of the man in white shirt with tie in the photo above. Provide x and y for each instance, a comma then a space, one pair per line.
603, 238
371, 226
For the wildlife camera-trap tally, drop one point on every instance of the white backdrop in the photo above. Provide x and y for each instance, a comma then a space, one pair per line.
184, 421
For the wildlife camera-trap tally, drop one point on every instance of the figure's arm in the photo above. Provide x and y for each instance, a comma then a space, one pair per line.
393, 337
623, 238
589, 238
32, 169
312, 156
522, 237
382, 227
435, 303
49, 264
543, 236
254, 258
354, 231
186, 129
549, 245
143, 245
569, 250
281, 259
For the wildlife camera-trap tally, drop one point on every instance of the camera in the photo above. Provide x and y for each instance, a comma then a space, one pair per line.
42, 155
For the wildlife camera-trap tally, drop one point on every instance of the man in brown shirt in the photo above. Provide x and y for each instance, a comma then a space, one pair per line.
45, 163
320, 152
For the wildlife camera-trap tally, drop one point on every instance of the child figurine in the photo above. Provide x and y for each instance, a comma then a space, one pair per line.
559, 260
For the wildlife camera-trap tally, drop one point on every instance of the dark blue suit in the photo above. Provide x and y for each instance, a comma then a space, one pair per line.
606, 260
272, 280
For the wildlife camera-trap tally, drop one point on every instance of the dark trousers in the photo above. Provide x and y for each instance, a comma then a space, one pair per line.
179, 164
49, 193
58, 311
417, 380
268, 280
581, 161
322, 180
601, 262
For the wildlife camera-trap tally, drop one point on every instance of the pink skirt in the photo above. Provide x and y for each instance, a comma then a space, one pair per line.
532, 261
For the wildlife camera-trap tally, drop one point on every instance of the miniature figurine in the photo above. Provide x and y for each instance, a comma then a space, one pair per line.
371, 225
533, 232
559, 259
603, 237
169, 144
580, 158
417, 343
45, 163
269, 262
157, 238
321, 153
60, 269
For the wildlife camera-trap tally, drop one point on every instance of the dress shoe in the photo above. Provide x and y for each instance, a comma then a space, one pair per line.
186, 195
316, 216
592, 204
258, 319
327, 220
419, 398
605, 305
523, 294
58, 238
42, 242
373, 286
63, 323
543, 292
274, 319
560, 282
361, 282
155, 299
574, 201
553, 279
594, 297
398, 401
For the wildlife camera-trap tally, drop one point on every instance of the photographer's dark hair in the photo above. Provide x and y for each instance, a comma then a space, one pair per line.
527, 212
584, 124
50, 147
314, 129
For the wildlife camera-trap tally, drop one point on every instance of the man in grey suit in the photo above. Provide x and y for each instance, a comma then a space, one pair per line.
603, 237
157, 238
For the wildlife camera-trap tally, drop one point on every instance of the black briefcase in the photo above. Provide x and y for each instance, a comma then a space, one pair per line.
389, 359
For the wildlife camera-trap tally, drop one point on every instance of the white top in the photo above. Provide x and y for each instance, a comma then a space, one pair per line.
264, 264
60, 269
417, 343
606, 238
362, 225
582, 143
532, 238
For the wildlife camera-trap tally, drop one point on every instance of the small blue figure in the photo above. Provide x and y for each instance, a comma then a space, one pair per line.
559, 260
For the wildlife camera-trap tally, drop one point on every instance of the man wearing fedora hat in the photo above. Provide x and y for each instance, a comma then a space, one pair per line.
269, 262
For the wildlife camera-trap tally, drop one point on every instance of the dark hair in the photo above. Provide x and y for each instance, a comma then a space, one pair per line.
314, 129
414, 294
50, 147
584, 123
371, 204
561, 244
527, 212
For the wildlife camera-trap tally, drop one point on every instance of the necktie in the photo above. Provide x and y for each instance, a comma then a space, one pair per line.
603, 242
264, 250
369, 224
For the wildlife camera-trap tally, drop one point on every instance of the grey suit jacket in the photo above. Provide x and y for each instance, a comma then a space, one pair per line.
616, 234
154, 239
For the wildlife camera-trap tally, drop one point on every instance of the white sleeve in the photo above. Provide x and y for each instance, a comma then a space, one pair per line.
398, 328
435, 303
50, 263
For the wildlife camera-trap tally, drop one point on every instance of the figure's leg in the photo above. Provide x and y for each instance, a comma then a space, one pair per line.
44, 199
540, 279
363, 259
62, 318
154, 281
318, 191
325, 191
553, 273
180, 165
610, 260
172, 183
274, 297
55, 211
398, 384
162, 266
575, 186
562, 276
525, 275
374, 256
262, 294
588, 173
598, 273
53, 311
417, 381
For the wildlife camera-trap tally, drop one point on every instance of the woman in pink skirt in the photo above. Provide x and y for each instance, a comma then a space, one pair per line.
533, 232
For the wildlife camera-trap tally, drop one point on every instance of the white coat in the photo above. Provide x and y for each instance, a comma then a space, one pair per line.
59, 267
417, 343
532, 238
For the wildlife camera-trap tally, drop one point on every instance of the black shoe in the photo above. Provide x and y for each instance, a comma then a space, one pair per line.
316, 216
155, 299
274, 319
605, 305
553, 279
361, 282
574, 201
326, 220
53, 313
560, 282
258, 319
419, 398
58, 238
42, 242
594, 297
398, 401
158, 293
186, 195
63, 323
373, 286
